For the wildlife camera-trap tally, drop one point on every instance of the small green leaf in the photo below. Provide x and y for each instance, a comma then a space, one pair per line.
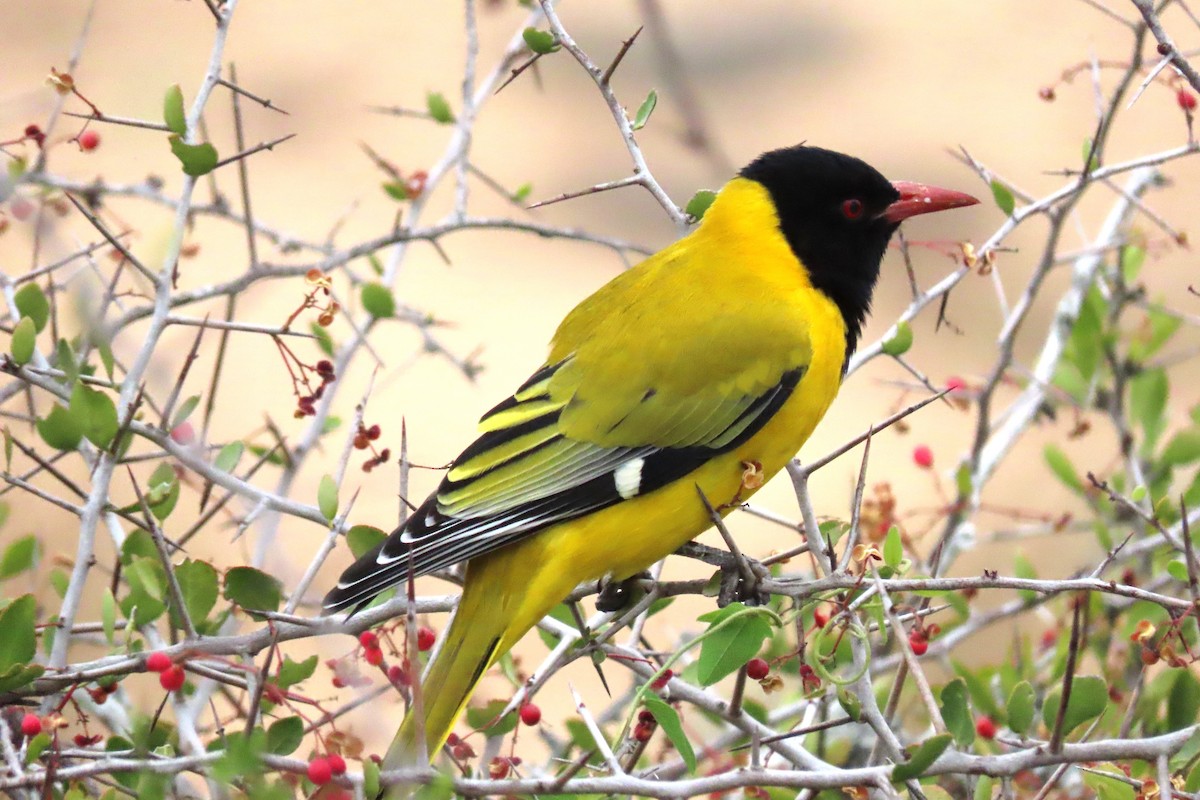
20, 556
439, 109
31, 302
378, 301
227, 459
293, 672
198, 582
1132, 258
37, 746
540, 42
197, 159
893, 548
324, 340
1183, 703
1093, 162
285, 735
253, 589
23, 339
18, 641
1106, 788
922, 758
1062, 467
370, 771
60, 429
362, 538
850, 703
108, 616
1089, 698
487, 718
698, 205
1184, 448
147, 577
327, 498
1003, 197
645, 110
900, 341
737, 634
522, 193
956, 712
173, 111
668, 719
96, 413
185, 410
1148, 401
163, 491
395, 190
1020, 708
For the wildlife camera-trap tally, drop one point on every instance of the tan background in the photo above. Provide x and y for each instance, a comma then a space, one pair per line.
895, 83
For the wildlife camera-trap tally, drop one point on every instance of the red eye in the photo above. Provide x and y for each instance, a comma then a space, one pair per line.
852, 209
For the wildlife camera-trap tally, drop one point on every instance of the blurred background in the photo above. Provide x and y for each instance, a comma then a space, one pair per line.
902, 86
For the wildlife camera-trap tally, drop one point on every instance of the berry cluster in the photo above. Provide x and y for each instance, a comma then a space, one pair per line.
364, 439
170, 675
306, 404
645, 727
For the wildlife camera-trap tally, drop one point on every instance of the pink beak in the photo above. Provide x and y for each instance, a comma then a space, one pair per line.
917, 198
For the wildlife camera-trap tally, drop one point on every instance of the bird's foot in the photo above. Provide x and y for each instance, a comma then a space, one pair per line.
615, 595
739, 578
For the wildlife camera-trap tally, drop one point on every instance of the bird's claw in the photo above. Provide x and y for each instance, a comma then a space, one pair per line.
615, 595
736, 586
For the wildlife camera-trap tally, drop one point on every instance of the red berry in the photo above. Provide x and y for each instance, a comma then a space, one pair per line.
337, 764
498, 768
397, 675
374, 656
158, 662
21, 208
89, 140
374, 432
1046, 93
642, 732
183, 433
918, 643
923, 456
757, 669
462, 751
1186, 100
985, 727
426, 636
320, 771
663, 679
361, 442
820, 616
31, 725
452, 739
531, 714
955, 383
368, 639
172, 679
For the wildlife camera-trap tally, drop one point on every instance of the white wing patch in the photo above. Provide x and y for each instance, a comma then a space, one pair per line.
628, 478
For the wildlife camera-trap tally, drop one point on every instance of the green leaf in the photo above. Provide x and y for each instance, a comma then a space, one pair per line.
540, 42
378, 301
487, 718
1106, 788
893, 548
1023, 568
197, 159
253, 589
198, 583
956, 712
1148, 401
1183, 703
900, 341
24, 338
362, 538
668, 718
96, 413
438, 108
1089, 698
60, 429
1132, 258
21, 555
983, 788
185, 410
285, 735
736, 634
1019, 709
227, 460
370, 771
1062, 468
1093, 162
324, 340
36, 747
163, 491
173, 111
645, 110
395, 190
108, 616
138, 544
327, 498
293, 672
1085, 348
18, 640
1177, 570
1184, 448
922, 758
31, 302
1003, 197
522, 193
698, 205
1148, 340
147, 576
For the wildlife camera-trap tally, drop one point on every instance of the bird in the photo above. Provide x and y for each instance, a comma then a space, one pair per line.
716, 356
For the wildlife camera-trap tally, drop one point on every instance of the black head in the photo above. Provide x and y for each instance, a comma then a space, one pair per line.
832, 212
